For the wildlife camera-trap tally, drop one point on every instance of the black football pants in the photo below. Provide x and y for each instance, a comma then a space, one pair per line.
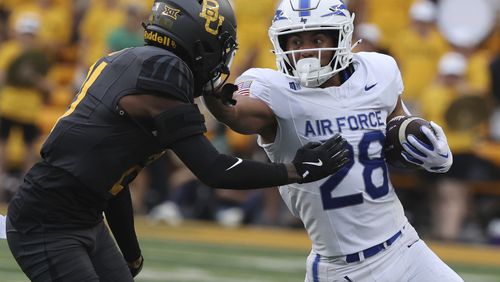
68, 255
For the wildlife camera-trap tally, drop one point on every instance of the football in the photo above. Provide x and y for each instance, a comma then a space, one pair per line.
398, 129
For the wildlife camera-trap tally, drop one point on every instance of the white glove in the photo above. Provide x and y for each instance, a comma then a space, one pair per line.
435, 158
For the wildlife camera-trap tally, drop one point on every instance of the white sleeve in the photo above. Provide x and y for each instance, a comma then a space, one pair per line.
384, 70
251, 83
396, 85
399, 82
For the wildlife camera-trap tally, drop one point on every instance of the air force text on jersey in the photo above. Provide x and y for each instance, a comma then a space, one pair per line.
370, 120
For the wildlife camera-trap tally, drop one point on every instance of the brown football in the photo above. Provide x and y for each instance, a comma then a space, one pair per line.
398, 129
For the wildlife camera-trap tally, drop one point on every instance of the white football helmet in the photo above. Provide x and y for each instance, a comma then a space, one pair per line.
294, 16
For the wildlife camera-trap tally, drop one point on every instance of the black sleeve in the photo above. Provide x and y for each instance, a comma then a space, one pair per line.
120, 217
168, 76
223, 171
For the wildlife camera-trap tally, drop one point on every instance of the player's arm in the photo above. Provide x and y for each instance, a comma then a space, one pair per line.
120, 218
436, 158
180, 127
247, 116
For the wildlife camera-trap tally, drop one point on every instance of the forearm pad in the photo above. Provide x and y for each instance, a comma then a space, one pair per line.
120, 217
178, 123
223, 171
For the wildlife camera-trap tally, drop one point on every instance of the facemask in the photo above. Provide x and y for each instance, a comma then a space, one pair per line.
311, 73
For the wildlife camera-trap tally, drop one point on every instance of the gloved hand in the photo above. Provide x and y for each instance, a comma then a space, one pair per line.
136, 266
226, 94
435, 158
315, 160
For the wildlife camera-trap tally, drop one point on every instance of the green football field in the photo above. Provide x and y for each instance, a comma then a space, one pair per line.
200, 252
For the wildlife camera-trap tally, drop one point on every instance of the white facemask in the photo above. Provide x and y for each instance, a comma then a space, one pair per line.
311, 73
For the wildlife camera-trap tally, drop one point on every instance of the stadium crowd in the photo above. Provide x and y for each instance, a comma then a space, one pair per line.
450, 67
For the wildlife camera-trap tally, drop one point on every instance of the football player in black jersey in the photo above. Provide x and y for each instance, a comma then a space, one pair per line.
134, 105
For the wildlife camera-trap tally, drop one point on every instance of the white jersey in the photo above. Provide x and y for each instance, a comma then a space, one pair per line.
357, 207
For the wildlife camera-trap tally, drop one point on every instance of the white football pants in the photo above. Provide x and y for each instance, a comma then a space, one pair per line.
408, 259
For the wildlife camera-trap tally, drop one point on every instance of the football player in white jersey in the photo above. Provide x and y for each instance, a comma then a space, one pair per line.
355, 220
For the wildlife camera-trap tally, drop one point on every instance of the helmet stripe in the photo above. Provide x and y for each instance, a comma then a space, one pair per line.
304, 7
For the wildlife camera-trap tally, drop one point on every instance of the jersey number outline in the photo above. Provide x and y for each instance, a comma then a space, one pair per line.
92, 75
369, 165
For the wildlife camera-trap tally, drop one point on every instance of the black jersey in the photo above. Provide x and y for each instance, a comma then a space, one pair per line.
95, 140
95, 149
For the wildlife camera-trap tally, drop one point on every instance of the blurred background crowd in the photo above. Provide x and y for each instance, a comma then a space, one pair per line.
448, 52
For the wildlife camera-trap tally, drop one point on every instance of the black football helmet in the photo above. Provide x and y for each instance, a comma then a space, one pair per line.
201, 32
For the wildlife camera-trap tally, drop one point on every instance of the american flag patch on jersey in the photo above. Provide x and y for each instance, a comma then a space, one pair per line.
243, 88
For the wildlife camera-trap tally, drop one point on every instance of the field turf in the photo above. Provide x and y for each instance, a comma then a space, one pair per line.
204, 252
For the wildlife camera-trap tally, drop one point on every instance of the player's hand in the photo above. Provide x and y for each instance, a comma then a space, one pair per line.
225, 95
136, 266
434, 158
315, 160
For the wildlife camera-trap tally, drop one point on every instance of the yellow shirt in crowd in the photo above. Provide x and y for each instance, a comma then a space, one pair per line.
55, 22
95, 27
391, 16
254, 18
478, 75
436, 100
418, 58
20, 104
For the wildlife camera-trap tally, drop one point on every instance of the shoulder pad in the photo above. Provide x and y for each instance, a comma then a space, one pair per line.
165, 74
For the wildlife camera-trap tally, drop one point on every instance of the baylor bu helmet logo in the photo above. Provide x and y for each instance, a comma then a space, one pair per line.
210, 12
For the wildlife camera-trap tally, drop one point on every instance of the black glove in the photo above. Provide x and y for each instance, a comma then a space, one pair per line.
136, 266
315, 160
226, 94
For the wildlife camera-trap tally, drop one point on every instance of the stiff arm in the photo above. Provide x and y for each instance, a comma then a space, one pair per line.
248, 116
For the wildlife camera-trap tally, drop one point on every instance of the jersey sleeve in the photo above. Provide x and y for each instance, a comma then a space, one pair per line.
166, 75
251, 83
399, 80
387, 70
398, 85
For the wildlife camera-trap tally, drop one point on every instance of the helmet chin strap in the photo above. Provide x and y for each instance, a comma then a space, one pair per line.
311, 73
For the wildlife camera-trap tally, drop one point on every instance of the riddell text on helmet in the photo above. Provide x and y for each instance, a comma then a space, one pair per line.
159, 38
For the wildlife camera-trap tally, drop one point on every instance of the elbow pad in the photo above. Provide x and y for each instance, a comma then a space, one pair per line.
178, 123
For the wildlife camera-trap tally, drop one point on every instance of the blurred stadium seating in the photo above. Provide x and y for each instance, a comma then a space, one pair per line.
417, 33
